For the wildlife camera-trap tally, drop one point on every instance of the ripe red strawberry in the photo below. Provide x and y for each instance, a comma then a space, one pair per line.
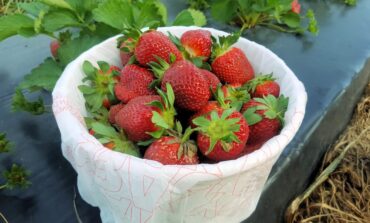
222, 135
172, 150
197, 43
54, 46
135, 118
113, 111
262, 85
134, 82
190, 87
148, 116
230, 64
265, 117
150, 45
296, 7
211, 78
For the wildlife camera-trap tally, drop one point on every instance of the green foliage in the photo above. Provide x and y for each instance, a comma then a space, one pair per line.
16, 177
5, 144
275, 14
198, 4
20, 103
190, 17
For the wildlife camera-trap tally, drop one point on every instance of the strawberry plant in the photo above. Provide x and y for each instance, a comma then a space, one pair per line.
16, 176
75, 26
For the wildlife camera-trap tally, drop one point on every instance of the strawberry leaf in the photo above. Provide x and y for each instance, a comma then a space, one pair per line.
57, 20
88, 68
190, 17
70, 50
42, 77
20, 103
11, 24
251, 117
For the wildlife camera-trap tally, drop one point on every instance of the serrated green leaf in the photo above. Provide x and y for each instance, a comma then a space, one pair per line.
224, 10
33, 8
58, 4
291, 19
151, 13
73, 48
11, 24
16, 176
20, 103
43, 77
56, 20
190, 17
115, 13
27, 32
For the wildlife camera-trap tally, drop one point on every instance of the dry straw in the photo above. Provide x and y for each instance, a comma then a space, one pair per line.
341, 193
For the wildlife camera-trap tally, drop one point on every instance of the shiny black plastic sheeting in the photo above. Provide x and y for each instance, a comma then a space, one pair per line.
331, 66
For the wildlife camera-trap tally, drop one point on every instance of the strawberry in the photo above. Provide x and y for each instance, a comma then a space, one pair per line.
134, 82
197, 43
113, 111
190, 87
211, 78
262, 85
126, 51
174, 150
296, 7
150, 45
114, 140
222, 135
210, 106
147, 116
265, 117
99, 91
233, 95
230, 63
54, 46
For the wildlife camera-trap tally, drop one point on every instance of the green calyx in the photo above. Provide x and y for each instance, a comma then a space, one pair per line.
5, 144
251, 85
223, 44
187, 147
236, 98
166, 118
274, 108
100, 85
219, 128
159, 68
129, 39
105, 133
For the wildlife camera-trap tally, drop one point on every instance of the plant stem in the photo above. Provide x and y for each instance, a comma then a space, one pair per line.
3, 186
3, 218
276, 27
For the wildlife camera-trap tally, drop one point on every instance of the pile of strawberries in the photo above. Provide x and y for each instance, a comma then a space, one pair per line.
181, 100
